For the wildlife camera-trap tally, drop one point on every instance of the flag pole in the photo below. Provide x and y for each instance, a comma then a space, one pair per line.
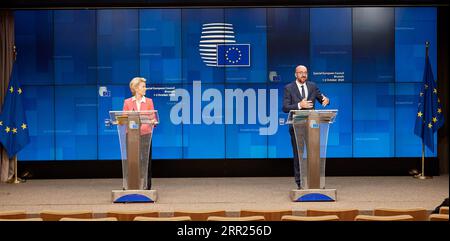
421, 175
16, 179
15, 170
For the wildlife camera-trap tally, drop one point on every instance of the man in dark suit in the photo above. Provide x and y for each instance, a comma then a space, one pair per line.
301, 94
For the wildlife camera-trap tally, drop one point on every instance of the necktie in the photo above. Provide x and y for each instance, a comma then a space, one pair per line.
303, 92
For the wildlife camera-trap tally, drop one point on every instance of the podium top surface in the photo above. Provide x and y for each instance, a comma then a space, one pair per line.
145, 116
297, 116
131, 112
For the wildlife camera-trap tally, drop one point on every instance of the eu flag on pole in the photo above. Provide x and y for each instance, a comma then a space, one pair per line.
13, 124
233, 55
429, 117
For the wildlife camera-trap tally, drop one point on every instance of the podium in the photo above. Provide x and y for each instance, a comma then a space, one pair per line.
135, 129
311, 135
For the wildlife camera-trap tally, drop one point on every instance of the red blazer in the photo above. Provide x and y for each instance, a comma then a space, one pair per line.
130, 105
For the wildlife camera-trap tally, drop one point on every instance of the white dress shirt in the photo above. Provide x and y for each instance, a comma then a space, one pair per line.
138, 103
299, 85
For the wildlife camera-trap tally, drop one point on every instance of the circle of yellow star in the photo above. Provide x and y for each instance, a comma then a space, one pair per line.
434, 119
430, 125
11, 89
439, 110
7, 129
24, 126
14, 130
19, 91
419, 114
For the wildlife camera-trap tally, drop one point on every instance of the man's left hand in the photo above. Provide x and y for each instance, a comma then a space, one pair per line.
325, 101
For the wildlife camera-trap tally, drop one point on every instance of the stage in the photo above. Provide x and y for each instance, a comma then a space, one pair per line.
229, 194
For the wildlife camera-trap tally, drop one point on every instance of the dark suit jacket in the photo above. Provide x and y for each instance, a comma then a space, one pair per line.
292, 96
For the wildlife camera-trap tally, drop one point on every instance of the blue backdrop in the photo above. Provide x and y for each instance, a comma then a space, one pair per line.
75, 66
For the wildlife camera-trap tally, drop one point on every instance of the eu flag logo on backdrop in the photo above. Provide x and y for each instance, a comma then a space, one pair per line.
13, 124
233, 55
429, 117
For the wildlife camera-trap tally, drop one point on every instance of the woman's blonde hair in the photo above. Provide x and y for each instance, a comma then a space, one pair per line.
134, 83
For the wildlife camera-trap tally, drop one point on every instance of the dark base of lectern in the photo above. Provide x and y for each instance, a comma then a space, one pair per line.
313, 195
134, 196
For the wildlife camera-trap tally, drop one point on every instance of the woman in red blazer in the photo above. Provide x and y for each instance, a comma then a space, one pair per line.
139, 103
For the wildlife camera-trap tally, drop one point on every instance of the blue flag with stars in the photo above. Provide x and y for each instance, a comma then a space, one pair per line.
233, 55
429, 117
13, 124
